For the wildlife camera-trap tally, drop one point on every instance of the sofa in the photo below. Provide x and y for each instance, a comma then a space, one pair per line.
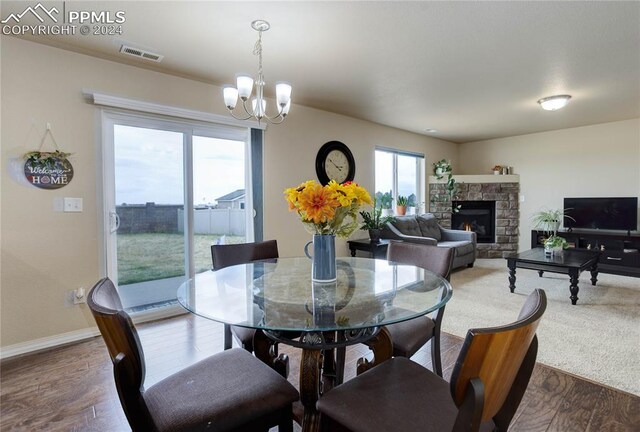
424, 229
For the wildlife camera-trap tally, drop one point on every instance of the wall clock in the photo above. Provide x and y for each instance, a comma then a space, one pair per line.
335, 162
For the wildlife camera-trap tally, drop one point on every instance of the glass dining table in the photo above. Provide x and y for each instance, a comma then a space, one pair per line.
279, 299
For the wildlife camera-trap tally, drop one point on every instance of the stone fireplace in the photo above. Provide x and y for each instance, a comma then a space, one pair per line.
500, 192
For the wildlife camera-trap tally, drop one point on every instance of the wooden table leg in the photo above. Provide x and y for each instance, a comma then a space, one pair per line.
310, 375
382, 348
574, 275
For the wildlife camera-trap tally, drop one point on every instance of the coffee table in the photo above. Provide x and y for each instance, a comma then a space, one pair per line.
571, 262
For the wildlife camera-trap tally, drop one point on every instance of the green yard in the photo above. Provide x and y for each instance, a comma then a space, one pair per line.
144, 257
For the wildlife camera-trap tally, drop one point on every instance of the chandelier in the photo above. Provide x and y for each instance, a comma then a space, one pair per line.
244, 88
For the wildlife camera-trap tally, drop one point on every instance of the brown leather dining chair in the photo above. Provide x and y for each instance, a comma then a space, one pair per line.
229, 391
232, 254
409, 336
487, 384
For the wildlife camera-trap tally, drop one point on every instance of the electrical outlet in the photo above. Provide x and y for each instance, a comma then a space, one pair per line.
79, 296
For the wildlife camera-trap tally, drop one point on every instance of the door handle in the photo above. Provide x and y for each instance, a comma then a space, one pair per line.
614, 259
114, 222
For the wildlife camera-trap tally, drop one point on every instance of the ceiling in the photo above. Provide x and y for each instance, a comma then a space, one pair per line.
470, 70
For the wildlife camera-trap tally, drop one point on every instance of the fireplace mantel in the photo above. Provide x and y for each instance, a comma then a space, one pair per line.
479, 178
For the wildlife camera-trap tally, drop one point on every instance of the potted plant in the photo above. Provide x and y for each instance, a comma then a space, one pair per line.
374, 222
401, 205
548, 221
411, 204
384, 201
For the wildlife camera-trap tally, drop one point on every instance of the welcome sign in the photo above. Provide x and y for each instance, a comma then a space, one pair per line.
48, 170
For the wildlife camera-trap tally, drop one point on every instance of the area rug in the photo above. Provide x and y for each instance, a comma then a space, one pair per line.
598, 339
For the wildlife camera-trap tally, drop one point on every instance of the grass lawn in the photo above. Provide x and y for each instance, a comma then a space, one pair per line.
151, 256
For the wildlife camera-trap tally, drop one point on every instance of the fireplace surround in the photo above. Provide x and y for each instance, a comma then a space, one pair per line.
504, 190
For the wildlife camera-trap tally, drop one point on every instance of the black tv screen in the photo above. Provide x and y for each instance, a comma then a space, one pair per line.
602, 213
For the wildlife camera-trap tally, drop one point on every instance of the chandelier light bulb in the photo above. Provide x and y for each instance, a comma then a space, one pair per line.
283, 93
554, 103
230, 96
245, 86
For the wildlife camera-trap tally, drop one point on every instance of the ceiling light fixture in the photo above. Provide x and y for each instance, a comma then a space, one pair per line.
244, 89
553, 103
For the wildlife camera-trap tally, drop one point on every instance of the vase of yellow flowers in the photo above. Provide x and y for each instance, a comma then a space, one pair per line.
326, 212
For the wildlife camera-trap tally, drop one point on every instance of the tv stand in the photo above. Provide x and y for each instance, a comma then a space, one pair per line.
619, 253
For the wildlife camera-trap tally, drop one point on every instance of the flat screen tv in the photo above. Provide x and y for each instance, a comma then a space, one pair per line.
602, 213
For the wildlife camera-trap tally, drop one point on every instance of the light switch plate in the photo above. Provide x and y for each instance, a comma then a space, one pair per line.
72, 205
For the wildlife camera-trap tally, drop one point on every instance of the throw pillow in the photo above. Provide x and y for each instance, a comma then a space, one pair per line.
407, 225
429, 226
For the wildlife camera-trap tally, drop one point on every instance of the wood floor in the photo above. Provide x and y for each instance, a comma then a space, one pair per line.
71, 388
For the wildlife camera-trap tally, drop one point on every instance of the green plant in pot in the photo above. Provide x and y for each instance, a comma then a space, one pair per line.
374, 222
401, 205
384, 201
549, 221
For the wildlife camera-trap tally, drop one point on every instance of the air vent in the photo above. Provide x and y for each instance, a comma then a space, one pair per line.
137, 52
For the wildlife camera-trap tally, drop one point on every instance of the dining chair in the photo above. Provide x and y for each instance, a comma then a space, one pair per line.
487, 384
229, 391
409, 336
226, 255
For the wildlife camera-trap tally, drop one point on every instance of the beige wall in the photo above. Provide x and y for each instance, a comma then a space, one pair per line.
45, 254
599, 160
290, 159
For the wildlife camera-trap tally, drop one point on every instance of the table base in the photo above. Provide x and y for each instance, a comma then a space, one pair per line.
322, 362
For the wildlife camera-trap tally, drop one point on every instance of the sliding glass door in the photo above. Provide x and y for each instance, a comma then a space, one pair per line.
171, 190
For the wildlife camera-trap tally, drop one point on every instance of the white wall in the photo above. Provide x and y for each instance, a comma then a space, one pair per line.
45, 254
590, 161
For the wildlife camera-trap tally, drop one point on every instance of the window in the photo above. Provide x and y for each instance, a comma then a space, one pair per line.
399, 173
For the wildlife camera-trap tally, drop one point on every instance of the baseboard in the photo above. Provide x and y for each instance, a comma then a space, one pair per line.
47, 342
78, 335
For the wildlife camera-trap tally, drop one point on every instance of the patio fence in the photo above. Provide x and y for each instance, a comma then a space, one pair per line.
216, 221
169, 218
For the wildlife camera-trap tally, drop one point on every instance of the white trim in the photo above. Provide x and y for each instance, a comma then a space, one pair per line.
48, 342
480, 178
167, 110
